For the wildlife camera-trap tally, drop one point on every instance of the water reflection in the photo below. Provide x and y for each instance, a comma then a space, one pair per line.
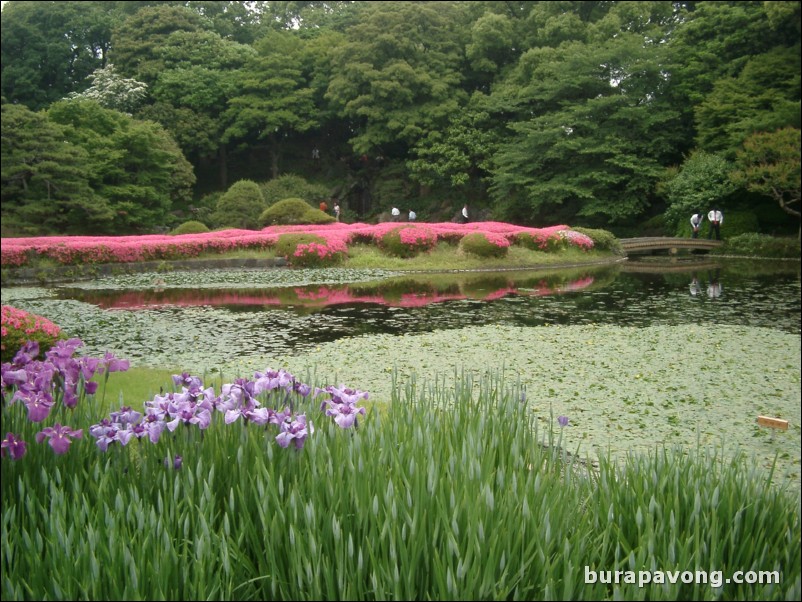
631, 294
408, 292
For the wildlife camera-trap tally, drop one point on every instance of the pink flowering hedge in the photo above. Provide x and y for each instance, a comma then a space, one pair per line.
337, 237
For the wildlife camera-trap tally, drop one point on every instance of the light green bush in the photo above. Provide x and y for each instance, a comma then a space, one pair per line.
191, 227
603, 240
240, 207
287, 243
293, 211
288, 186
477, 243
761, 245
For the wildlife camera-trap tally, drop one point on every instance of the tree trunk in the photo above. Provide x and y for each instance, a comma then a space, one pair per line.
222, 158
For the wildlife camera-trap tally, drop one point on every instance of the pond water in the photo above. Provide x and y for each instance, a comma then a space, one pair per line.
640, 353
285, 311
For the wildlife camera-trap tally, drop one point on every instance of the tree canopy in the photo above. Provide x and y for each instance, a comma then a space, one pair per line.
534, 112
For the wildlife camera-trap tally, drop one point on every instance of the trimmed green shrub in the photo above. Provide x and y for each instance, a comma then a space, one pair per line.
291, 212
289, 186
603, 240
407, 241
484, 244
760, 245
316, 217
287, 243
191, 227
240, 206
20, 326
735, 223
539, 242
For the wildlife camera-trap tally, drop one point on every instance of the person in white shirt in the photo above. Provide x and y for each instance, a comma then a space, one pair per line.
396, 214
465, 214
412, 215
696, 223
716, 218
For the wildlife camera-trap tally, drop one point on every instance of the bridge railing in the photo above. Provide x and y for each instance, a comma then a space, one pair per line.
655, 243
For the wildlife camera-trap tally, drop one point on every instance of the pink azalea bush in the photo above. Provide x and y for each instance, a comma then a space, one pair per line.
19, 327
407, 241
417, 237
319, 255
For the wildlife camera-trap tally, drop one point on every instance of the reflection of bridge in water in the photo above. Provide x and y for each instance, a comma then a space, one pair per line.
664, 243
668, 267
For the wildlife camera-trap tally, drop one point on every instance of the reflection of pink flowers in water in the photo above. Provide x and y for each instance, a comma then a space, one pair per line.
319, 296
578, 284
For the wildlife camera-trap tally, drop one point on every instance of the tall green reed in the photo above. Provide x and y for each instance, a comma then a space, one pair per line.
451, 491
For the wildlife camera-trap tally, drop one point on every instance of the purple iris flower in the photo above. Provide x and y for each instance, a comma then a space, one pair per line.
59, 437
185, 379
28, 353
293, 431
12, 377
113, 364
176, 463
344, 414
563, 420
107, 433
126, 416
302, 389
191, 415
345, 395
38, 404
14, 447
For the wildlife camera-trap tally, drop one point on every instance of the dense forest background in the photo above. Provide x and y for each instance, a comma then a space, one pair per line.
132, 117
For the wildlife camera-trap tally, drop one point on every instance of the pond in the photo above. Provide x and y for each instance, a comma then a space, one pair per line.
646, 352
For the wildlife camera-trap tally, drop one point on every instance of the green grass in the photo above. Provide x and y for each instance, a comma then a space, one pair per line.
447, 257
134, 386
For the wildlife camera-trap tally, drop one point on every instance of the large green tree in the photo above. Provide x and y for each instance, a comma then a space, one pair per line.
134, 167
45, 186
398, 74
769, 164
588, 135
763, 96
190, 95
703, 182
139, 42
275, 97
48, 49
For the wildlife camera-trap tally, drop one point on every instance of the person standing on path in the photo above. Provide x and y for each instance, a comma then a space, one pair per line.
716, 218
696, 223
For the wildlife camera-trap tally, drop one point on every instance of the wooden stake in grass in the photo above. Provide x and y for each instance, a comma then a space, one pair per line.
776, 423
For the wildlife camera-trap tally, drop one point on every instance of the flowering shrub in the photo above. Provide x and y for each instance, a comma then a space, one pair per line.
287, 243
408, 241
485, 244
554, 240
537, 241
318, 255
70, 250
61, 381
19, 326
